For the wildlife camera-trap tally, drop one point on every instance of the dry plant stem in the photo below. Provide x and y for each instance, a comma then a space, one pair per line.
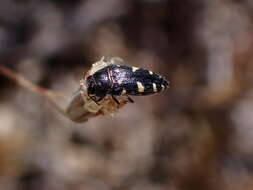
49, 95
74, 110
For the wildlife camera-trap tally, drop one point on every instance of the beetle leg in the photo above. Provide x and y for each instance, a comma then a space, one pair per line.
115, 99
129, 99
96, 101
100, 98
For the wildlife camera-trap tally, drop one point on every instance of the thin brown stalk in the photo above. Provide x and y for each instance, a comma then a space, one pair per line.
48, 94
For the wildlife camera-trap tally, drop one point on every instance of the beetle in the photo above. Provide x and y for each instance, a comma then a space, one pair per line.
122, 80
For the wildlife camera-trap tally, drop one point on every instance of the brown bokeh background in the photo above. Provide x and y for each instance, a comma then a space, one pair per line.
197, 135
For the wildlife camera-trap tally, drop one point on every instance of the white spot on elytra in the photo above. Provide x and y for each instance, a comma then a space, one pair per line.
154, 87
163, 87
140, 87
150, 72
134, 69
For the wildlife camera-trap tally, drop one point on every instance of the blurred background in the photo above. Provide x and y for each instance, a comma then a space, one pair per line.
196, 135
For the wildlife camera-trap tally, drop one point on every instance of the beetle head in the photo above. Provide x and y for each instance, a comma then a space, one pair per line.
91, 85
95, 87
